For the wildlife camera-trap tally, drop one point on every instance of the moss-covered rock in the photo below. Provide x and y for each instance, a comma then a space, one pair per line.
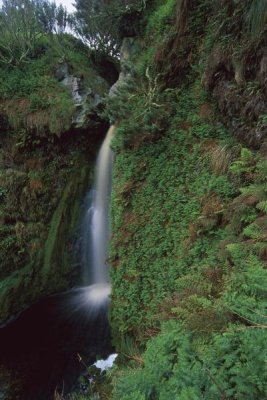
52, 125
40, 213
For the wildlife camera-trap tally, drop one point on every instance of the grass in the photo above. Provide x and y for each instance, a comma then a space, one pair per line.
257, 17
31, 96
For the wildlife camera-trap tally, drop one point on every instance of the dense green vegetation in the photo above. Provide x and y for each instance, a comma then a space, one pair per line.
33, 98
45, 160
23, 23
189, 246
189, 217
188, 250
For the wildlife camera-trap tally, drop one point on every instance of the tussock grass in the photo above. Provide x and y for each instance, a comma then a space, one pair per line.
257, 16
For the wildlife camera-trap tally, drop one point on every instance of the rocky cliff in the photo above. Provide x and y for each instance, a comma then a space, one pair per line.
50, 130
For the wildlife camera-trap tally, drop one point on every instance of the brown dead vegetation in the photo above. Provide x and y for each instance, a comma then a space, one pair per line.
166, 58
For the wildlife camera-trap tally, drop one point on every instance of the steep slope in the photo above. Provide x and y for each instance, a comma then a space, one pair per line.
188, 253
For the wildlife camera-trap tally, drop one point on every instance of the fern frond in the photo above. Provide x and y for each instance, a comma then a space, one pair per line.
262, 206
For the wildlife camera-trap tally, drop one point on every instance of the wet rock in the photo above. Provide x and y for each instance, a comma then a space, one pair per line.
61, 71
262, 75
87, 99
219, 66
129, 49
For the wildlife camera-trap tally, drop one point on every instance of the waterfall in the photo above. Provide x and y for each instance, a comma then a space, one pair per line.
96, 229
55, 330
100, 225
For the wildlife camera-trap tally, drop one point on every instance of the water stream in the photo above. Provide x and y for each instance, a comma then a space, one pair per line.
96, 226
41, 349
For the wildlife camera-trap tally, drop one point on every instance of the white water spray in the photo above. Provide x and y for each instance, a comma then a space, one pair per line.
96, 233
100, 225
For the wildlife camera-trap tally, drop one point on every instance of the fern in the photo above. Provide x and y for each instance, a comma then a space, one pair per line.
252, 231
258, 190
245, 164
262, 206
231, 365
262, 170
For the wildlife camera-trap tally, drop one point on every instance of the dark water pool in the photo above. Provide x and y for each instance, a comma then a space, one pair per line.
40, 348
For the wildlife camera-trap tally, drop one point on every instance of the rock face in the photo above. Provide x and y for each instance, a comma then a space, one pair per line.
87, 98
241, 107
44, 174
41, 196
129, 49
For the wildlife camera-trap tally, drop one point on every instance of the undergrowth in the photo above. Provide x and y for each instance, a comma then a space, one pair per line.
189, 246
31, 95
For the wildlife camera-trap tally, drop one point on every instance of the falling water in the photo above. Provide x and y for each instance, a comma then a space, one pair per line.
96, 228
91, 299
53, 331
100, 226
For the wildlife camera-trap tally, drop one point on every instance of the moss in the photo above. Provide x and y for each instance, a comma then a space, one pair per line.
39, 216
50, 267
32, 96
9, 287
45, 167
57, 252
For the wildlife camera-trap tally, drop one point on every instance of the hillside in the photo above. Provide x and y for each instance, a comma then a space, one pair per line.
188, 250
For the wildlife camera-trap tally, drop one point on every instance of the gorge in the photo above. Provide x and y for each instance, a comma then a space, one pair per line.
187, 244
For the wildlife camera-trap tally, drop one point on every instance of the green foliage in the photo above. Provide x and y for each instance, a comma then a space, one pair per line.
231, 364
104, 23
258, 190
52, 19
245, 291
36, 78
262, 206
22, 81
19, 30
252, 231
257, 16
159, 21
186, 246
33, 99
178, 365
33, 201
169, 191
246, 164
23, 24
62, 110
